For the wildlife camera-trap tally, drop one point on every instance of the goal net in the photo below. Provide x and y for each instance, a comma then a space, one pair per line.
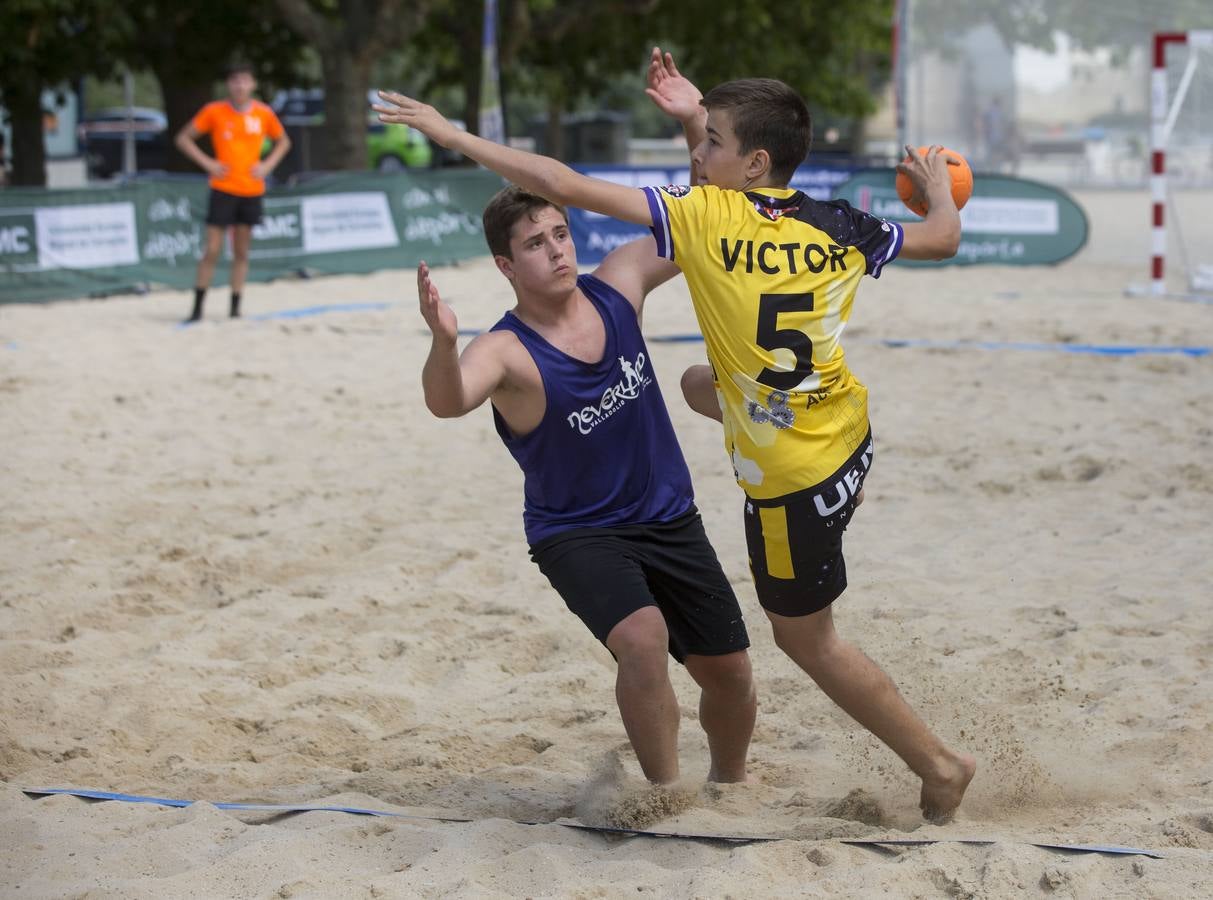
1181, 143
1076, 101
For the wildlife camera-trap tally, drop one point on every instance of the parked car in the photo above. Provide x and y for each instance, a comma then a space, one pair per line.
102, 135
390, 148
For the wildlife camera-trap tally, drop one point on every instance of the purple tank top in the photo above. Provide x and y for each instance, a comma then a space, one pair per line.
605, 451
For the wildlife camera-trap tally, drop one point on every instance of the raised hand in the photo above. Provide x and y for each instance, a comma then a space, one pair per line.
438, 316
674, 94
397, 109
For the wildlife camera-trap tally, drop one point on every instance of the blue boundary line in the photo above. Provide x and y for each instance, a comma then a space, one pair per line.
896, 344
37, 793
1095, 349
305, 311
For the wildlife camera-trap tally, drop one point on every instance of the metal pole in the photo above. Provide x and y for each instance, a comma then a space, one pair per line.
901, 55
128, 134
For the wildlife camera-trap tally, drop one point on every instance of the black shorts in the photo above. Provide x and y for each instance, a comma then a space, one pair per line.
795, 541
606, 574
228, 209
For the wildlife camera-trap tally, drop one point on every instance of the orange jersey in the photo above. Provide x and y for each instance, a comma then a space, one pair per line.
238, 138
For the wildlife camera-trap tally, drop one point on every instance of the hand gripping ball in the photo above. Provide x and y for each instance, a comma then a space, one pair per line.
962, 183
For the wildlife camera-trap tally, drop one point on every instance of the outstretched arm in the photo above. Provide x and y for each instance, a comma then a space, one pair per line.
679, 99
544, 176
938, 235
453, 385
635, 269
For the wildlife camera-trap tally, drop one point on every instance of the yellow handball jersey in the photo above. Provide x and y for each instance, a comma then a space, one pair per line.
772, 275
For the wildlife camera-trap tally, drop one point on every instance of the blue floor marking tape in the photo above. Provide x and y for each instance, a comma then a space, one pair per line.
601, 829
1096, 349
306, 311
690, 338
896, 344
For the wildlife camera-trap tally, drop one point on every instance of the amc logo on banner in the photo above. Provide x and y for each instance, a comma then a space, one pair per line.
18, 252
324, 223
1007, 221
79, 236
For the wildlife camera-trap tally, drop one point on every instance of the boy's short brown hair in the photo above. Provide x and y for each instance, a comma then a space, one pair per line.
508, 206
766, 115
238, 67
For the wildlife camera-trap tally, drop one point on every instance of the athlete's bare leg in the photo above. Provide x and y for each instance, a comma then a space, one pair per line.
645, 695
242, 237
869, 696
210, 256
727, 707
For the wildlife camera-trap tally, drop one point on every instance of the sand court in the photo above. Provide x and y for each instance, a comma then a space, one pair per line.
242, 562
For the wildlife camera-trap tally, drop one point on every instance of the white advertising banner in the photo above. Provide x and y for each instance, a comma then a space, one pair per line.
88, 236
1004, 215
349, 221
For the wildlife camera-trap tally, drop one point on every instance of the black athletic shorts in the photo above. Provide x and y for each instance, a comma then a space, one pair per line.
228, 209
606, 574
795, 541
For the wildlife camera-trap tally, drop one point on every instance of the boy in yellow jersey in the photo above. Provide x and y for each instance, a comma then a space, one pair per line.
772, 275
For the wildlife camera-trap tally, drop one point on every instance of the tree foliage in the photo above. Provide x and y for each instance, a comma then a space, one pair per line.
557, 55
350, 35
45, 43
187, 46
835, 54
563, 54
554, 52
570, 53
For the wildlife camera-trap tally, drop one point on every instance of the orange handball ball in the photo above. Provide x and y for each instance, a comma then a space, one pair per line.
962, 182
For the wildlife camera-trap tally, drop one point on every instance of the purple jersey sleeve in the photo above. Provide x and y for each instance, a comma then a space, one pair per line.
661, 223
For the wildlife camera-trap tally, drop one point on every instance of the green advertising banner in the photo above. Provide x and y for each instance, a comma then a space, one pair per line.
1007, 221
58, 244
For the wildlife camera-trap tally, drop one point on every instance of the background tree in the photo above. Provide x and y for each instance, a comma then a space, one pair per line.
551, 56
43, 44
443, 62
187, 47
350, 35
557, 57
836, 55
570, 52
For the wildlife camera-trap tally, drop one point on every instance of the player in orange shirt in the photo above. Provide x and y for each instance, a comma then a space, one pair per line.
238, 127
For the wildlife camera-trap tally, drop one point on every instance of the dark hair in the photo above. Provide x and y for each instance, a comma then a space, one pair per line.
239, 67
766, 115
505, 209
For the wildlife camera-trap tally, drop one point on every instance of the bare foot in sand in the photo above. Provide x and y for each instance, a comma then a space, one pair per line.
942, 795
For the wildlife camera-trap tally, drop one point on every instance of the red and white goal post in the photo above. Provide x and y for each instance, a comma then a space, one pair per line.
1164, 112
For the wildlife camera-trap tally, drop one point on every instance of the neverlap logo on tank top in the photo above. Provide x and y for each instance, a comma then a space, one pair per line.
631, 383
